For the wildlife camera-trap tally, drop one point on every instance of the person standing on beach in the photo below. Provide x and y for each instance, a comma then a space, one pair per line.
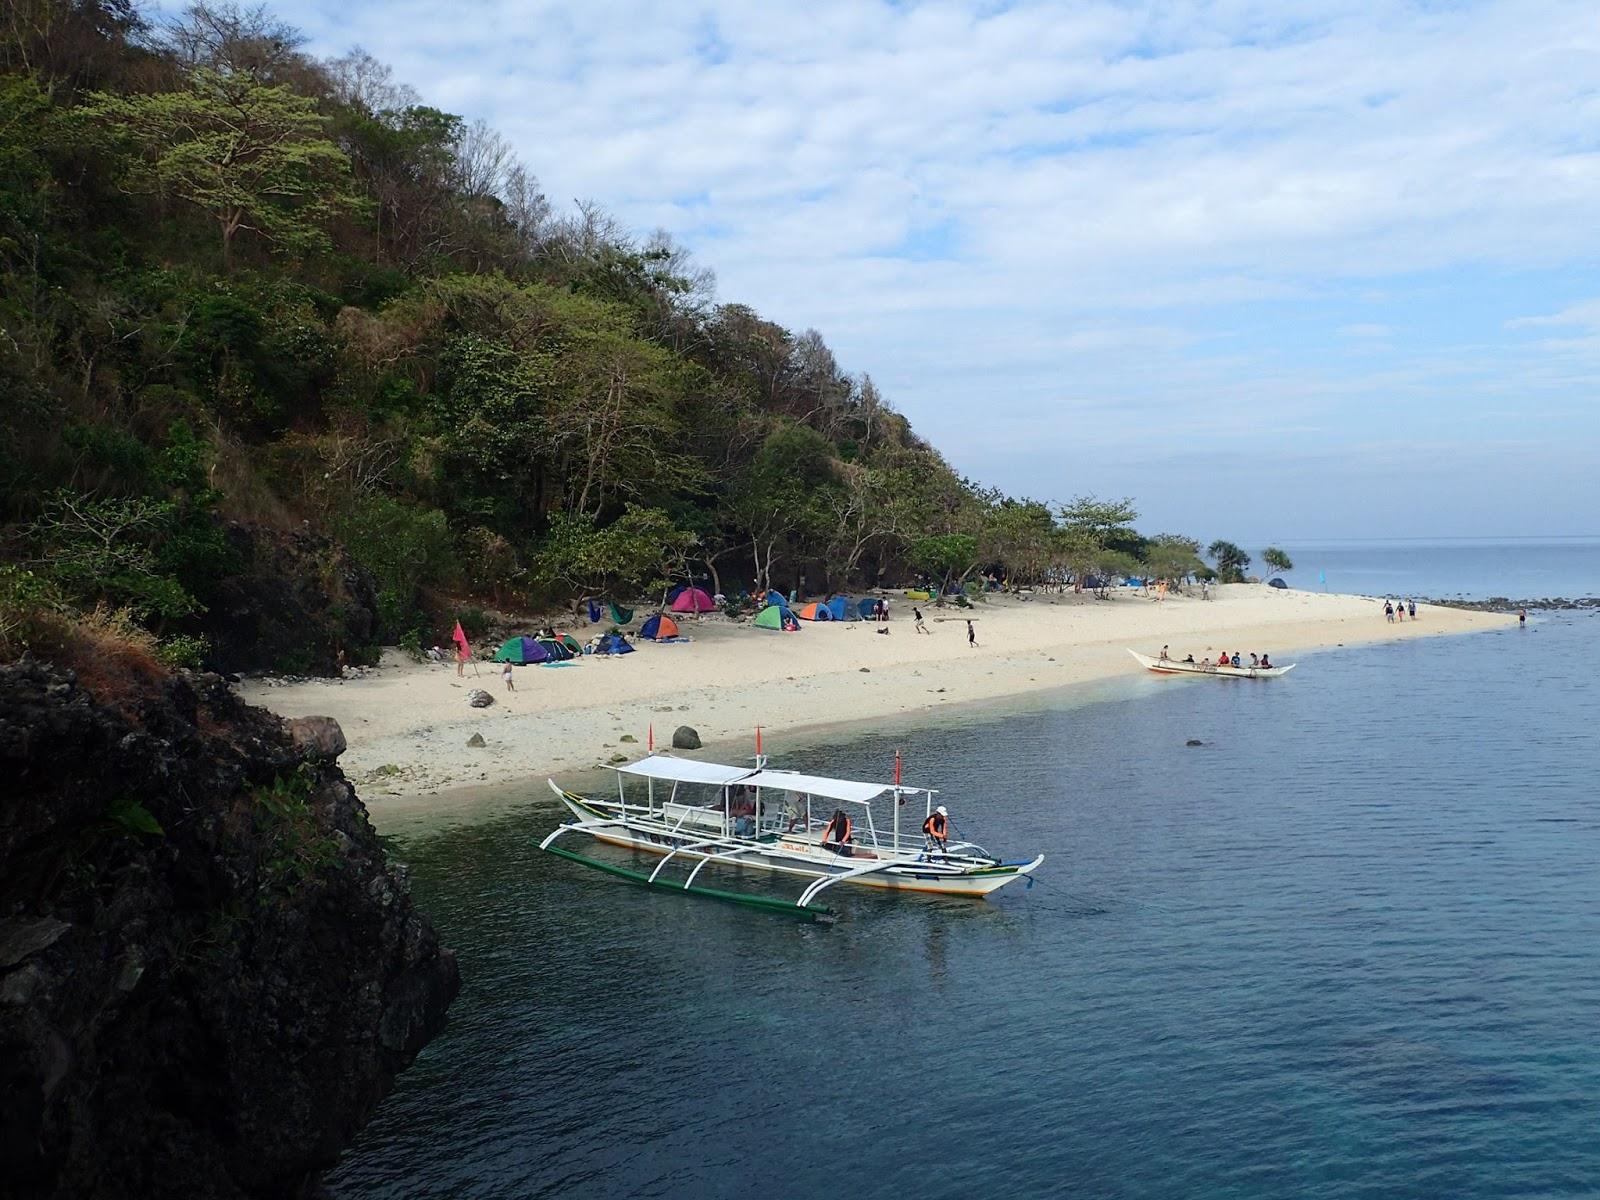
972, 636
1411, 606
1522, 618
920, 627
1388, 612
505, 673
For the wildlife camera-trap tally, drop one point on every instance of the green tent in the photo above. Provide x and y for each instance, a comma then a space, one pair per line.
620, 615
571, 643
775, 617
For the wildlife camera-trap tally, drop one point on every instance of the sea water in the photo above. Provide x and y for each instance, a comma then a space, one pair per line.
1348, 946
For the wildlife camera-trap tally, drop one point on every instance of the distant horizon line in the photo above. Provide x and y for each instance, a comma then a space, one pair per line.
1468, 537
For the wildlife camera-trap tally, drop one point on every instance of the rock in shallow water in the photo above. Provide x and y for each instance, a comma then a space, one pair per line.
685, 738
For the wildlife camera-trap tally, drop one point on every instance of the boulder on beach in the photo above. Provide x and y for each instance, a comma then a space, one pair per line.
479, 698
318, 738
476, 741
685, 738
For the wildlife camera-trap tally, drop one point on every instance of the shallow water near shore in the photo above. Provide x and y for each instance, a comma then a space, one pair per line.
1347, 947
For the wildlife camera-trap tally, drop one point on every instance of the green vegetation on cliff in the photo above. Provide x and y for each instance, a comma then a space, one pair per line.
294, 361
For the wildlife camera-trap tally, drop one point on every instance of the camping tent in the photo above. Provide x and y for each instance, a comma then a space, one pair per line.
1277, 583
815, 611
613, 643
555, 649
839, 608
866, 606
521, 650
659, 627
620, 615
672, 592
692, 600
571, 643
775, 616
778, 598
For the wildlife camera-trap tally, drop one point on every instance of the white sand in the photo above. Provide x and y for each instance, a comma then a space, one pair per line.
407, 724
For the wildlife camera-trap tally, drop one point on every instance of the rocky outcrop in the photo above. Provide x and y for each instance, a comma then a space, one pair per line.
209, 972
296, 601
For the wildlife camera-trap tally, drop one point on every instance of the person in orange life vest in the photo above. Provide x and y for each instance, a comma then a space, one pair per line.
836, 836
937, 829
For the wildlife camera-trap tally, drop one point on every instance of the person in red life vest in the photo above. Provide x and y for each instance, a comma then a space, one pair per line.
836, 836
937, 830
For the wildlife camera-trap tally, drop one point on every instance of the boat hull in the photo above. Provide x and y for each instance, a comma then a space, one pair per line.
789, 858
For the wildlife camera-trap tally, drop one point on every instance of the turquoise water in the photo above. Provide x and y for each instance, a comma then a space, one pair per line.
1349, 947
1519, 569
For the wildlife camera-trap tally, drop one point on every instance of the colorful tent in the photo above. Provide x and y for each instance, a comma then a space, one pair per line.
620, 615
778, 598
692, 600
814, 612
571, 643
673, 592
659, 627
613, 643
839, 608
521, 650
775, 616
867, 606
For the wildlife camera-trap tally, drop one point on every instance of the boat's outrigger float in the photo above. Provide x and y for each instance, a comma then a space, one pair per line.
764, 818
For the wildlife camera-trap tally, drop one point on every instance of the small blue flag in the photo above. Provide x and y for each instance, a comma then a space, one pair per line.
1322, 578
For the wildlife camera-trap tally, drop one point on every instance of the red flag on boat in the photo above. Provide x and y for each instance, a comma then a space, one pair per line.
650, 744
463, 647
758, 741
897, 768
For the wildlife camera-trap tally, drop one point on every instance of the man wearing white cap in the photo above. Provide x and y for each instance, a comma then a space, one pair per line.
937, 830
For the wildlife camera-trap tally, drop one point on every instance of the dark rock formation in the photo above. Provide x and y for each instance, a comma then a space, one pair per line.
685, 738
209, 973
296, 601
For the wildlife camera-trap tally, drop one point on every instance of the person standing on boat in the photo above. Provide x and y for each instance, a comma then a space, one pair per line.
836, 834
936, 829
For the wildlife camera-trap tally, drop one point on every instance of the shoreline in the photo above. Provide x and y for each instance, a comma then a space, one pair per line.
407, 724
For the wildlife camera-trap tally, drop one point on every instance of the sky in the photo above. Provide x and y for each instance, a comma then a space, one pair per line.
1278, 270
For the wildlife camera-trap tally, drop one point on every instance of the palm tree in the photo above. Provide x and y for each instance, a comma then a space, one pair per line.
1277, 561
1231, 561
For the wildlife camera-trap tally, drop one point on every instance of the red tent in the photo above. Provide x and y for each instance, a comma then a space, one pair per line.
692, 600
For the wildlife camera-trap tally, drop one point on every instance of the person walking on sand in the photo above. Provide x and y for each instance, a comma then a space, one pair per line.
505, 673
1522, 618
972, 636
1388, 612
1411, 609
920, 626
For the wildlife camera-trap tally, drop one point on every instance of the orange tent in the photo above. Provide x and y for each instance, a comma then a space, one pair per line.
814, 612
659, 627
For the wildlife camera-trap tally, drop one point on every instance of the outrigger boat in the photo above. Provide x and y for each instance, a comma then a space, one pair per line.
1171, 666
704, 813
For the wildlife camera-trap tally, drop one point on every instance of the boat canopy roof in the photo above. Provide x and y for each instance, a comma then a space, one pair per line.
688, 770
684, 770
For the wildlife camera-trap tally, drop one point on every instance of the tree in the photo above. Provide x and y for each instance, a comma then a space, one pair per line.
251, 157
1089, 527
635, 553
1277, 561
1231, 561
1173, 556
946, 556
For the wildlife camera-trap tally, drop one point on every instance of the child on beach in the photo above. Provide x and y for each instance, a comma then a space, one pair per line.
505, 674
972, 636
919, 626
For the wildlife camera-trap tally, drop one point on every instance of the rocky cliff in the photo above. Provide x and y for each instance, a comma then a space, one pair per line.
209, 973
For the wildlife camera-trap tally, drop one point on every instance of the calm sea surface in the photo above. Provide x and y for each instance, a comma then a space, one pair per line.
1519, 569
1349, 947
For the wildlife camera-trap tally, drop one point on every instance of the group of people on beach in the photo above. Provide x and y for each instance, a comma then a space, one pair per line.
1394, 610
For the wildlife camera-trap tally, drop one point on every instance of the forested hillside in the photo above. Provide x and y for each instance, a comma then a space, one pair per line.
295, 363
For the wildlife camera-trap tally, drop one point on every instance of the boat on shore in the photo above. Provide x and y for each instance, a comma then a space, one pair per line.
1171, 666
697, 814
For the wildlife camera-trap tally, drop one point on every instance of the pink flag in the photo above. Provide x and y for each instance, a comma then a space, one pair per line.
463, 647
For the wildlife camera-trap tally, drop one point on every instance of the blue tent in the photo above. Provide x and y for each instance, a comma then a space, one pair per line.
673, 594
778, 598
658, 627
613, 643
866, 607
839, 607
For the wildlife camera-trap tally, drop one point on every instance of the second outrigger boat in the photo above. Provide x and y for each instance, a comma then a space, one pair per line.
697, 814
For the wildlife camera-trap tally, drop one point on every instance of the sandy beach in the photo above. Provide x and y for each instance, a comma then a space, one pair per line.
408, 724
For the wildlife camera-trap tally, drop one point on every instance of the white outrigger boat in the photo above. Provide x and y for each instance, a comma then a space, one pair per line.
704, 813
1171, 666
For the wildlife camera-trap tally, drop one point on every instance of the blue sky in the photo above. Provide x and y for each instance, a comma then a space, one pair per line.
1279, 270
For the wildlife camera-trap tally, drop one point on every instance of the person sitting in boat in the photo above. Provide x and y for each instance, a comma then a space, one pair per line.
836, 834
1236, 658
1189, 659
1265, 665
1254, 661
936, 829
